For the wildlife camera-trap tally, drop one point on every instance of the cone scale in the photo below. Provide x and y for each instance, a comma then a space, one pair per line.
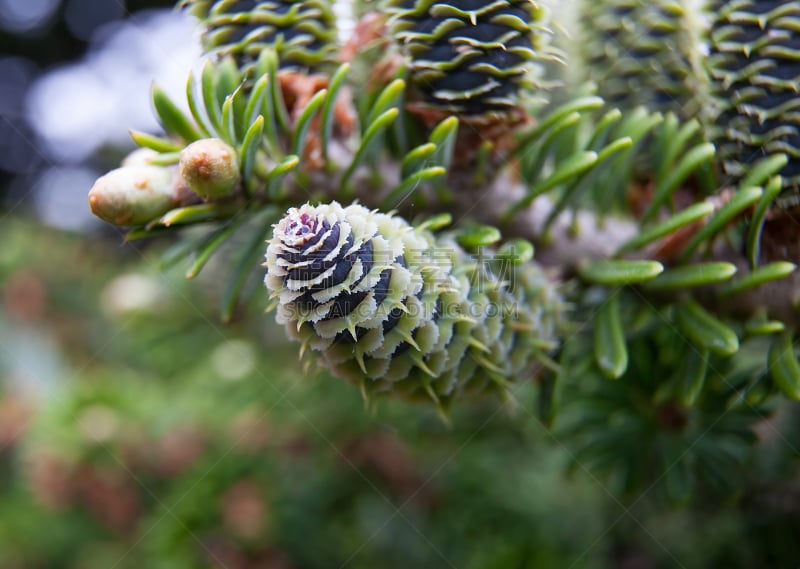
398, 311
302, 33
755, 64
649, 53
468, 57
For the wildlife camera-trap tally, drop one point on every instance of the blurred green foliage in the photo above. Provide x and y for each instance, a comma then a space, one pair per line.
156, 438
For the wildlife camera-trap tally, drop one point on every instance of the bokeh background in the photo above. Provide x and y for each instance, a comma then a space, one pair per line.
138, 431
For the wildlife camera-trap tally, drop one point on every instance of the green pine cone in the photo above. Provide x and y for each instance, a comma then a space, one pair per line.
755, 64
645, 53
302, 33
398, 311
469, 57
